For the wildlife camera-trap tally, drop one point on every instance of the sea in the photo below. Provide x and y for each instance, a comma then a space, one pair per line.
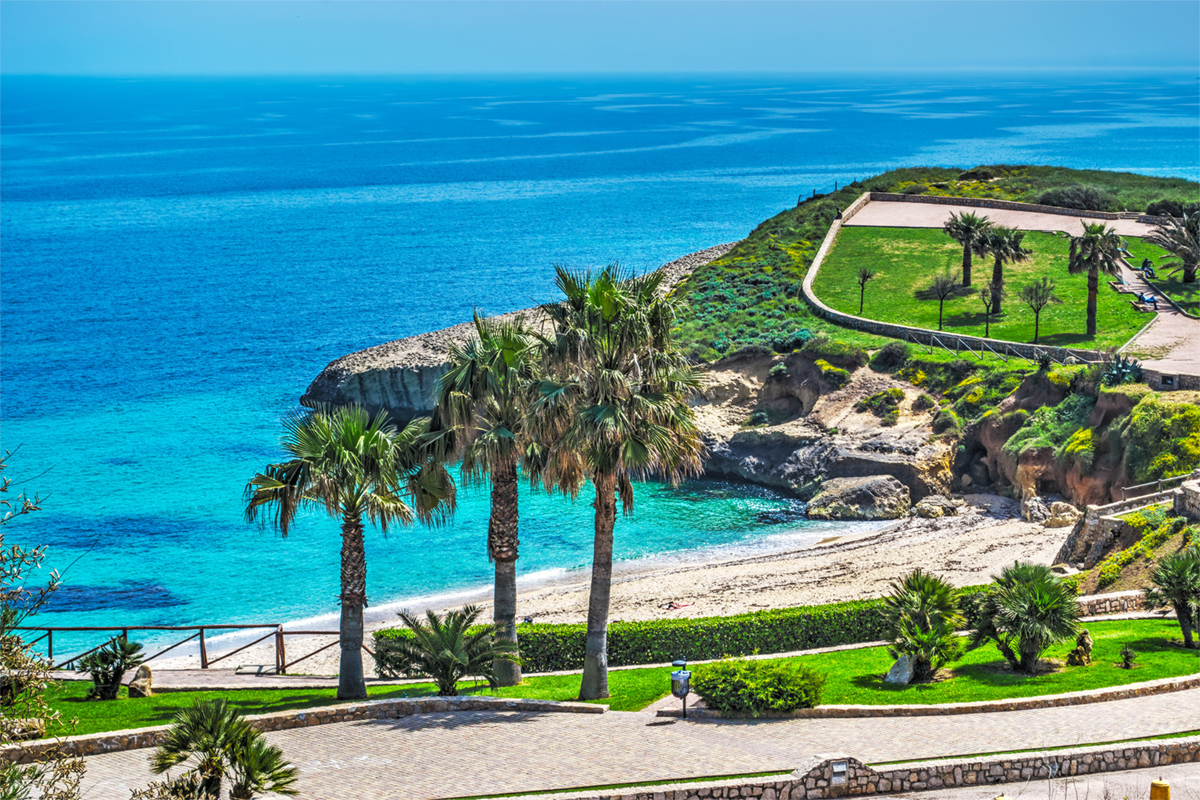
180, 258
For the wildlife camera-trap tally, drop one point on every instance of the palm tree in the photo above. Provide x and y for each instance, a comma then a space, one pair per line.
922, 616
1180, 236
1004, 245
485, 395
220, 744
1096, 251
942, 287
1176, 580
353, 467
969, 230
1037, 296
447, 651
613, 407
991, 301
864, 274
1028, 610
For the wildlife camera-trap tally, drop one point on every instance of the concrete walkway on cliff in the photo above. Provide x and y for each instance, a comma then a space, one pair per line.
491, 753
1167, 345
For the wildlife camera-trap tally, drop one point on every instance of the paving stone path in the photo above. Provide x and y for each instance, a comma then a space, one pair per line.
477, 753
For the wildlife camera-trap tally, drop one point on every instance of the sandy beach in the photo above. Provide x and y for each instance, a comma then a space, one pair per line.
966, 549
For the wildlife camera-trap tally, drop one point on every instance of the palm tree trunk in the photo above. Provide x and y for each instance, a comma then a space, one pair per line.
351, 685
1189, 273
1093, 288
503, 528
594, 685
997, 284
1182, 613
967, 264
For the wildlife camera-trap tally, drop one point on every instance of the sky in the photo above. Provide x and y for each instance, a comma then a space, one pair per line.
346, 37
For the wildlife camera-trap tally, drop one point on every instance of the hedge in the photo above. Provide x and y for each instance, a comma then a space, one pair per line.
549, 648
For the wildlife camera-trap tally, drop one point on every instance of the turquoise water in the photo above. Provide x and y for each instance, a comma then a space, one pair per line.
181, 258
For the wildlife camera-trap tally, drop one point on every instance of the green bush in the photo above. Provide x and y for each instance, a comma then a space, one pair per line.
881, 403
923, 402
1051, 426
778, 371
836, 376
757, 687
1079, 450
891, 356
946, 421
1161, 438
1085, 198
1111, 567
840, 354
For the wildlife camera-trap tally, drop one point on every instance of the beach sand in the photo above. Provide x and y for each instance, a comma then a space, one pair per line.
965, 549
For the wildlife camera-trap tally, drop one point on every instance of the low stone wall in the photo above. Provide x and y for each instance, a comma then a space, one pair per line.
1170, 382
1187, 500
1008, 205
1113, 603
841, 775
96, 743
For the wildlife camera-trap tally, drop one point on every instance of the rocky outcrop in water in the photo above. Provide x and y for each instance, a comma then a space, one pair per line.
401, 376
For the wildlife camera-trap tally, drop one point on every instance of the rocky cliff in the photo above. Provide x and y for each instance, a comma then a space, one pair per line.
401, 376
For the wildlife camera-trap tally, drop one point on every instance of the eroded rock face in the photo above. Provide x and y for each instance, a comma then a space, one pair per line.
1062, 515
937, 506
871, 498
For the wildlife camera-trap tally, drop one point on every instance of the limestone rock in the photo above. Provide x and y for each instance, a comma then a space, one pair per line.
1034, 509
901, 672
141, 685
935, 505
872, 497
1062, 515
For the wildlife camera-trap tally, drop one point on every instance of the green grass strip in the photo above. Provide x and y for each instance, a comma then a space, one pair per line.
607, 786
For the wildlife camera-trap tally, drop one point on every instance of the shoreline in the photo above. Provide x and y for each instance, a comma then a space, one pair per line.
965, 549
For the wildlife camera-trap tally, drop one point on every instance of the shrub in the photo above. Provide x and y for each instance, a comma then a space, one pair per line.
1080, 196
778, 371
449, 648
922, 617
546, 648
1123, 370
836, 376
924, 401
1161, 439
840, 354
881, 403
889, 357
107, 666
1050, 426
758, 418
915, 188
757, 687
1171, 208
1079, 450
1023, 614
946, 421
789, 342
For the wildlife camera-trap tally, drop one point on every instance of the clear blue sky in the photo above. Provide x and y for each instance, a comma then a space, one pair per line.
289, 38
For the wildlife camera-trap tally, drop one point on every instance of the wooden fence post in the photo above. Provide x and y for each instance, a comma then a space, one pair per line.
203, 651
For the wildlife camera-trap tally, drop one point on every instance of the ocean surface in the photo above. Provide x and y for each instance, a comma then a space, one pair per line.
180, 258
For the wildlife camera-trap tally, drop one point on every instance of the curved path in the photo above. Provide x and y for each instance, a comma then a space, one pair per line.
478, 753
1167, 345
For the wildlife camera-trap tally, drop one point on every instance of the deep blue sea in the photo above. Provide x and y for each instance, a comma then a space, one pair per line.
180, 258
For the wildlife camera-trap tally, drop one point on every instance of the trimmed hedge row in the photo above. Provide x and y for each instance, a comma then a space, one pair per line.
549, 648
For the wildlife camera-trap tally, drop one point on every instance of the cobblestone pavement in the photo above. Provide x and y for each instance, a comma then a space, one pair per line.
891, 214
475, 753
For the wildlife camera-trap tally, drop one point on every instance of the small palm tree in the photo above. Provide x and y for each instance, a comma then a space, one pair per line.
1176, 580
922, 616
1097, 250
1037, 296
969, 230
485, 397
447, 651
219, 744
864, 274
613, 407
1004, 245
1028, 610
1180, 236
355, 468
942, 287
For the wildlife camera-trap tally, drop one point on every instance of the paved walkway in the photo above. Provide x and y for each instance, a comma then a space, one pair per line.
476, 753
1167, 346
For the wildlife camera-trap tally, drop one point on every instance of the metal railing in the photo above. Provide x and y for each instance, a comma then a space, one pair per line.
274, 630
1156, 487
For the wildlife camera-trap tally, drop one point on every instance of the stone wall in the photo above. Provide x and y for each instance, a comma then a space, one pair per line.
95, 743
1168, 382
1187, 500
841, 775
1114, 603
1008, 205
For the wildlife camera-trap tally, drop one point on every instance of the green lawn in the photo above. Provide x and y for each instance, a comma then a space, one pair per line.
854, 677
1187, 295
907, 259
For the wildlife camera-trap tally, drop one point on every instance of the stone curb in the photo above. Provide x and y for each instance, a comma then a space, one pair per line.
817, 778
1146, 689
115, 741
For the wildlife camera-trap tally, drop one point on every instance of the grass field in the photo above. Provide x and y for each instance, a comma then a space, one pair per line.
1187, 295
854, 677
906, 260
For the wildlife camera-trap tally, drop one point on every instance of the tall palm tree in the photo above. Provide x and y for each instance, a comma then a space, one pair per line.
1004, 246
1176, 580
613, 407
355, 468
485, 398
1097, 250
219, 744
969, 230
1180, 236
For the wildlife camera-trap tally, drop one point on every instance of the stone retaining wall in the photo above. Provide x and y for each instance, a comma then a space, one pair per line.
1187, 500
95, 743
1008, 205
1113, 603
841, 775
